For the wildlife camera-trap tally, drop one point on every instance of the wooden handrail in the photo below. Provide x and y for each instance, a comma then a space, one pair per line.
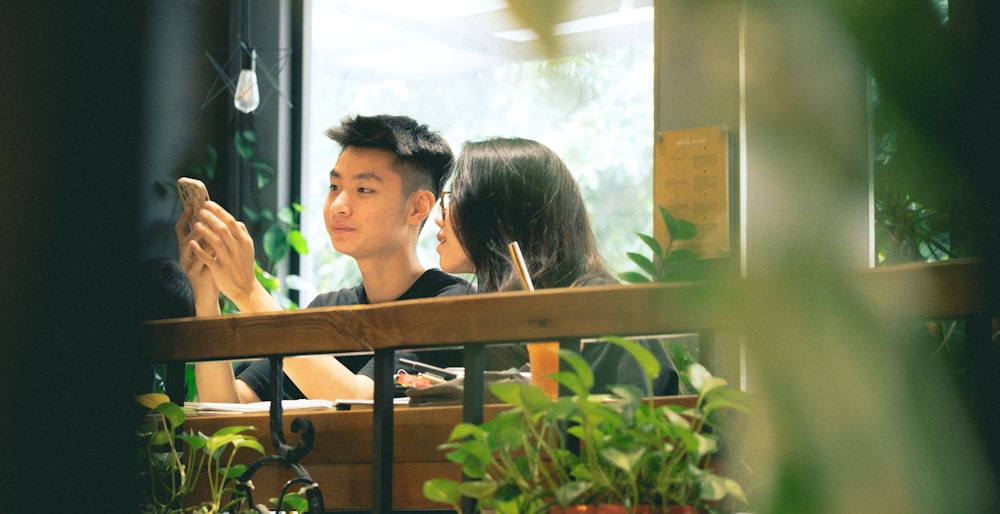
947, 289
442, 321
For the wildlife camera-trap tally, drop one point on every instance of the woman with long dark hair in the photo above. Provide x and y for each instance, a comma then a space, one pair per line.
511, 189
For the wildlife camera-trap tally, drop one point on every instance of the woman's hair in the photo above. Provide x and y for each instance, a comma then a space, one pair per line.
508, 190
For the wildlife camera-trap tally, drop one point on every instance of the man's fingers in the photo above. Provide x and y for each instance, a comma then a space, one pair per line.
181, 227
204, 256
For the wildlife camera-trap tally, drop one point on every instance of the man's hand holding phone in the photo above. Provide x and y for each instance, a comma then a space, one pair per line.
193, 195
222, 251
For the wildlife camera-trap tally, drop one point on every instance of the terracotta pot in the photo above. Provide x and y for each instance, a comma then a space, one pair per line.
620, 509
589, 509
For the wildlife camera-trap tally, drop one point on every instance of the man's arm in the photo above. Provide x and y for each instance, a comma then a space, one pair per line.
200, 261
216, 383
323, 376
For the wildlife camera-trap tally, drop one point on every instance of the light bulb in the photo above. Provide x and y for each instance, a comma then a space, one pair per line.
247, 96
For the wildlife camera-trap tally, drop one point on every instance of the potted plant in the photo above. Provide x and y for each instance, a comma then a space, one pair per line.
666, 264
545, 455
173, 463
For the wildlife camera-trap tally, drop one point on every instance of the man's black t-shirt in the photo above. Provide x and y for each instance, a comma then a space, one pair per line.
432, 283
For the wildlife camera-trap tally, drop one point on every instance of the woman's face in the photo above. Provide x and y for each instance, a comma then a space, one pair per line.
454, 259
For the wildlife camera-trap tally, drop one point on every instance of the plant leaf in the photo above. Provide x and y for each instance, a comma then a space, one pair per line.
478, 489
159, 437
209, 165
706, 445
235, 429
152, 400
463, 430
534, 399
652, 243
571, 381
261, 166
251, 214
269, 281
625, 461
634, 277
712, 487
298, 242
650, 364
681, 255
291, 502
666, 217
643, 262
263, 171
244, 141
286, 215
249, 442
194, 442
571, 491
276, 245
509, 392
734, 489
213, 154
173, 412
441, 490
698, 375
237, 440
580, 368
235, 470
683, 230
710, 384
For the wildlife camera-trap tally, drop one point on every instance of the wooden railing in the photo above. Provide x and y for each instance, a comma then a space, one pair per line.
451, 320
952, 290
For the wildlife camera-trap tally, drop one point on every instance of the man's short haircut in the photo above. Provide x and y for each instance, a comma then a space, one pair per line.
423, 158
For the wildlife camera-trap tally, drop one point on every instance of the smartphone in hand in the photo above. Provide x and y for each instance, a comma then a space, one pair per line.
193, 193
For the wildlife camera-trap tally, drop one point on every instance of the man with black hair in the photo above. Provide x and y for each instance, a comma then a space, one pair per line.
165, 293
382, 190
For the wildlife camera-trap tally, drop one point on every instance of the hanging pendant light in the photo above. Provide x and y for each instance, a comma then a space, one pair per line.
247, 96
246, 87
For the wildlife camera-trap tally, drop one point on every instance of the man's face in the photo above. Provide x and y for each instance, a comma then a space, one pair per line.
365, 209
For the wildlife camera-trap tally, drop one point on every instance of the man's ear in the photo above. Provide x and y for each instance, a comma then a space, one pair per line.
419, 207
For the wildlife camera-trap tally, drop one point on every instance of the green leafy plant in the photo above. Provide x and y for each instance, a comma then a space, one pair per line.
292, 502
277, 232
666, 264
280, 229
631, 452
173, 462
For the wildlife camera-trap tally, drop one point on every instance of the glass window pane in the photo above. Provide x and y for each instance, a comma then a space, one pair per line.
471, 70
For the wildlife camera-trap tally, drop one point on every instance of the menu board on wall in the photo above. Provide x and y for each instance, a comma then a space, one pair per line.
691, 180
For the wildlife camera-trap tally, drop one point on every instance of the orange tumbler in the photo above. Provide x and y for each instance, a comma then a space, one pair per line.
544, 360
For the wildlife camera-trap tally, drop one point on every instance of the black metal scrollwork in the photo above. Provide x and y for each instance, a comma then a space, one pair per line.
287, 455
